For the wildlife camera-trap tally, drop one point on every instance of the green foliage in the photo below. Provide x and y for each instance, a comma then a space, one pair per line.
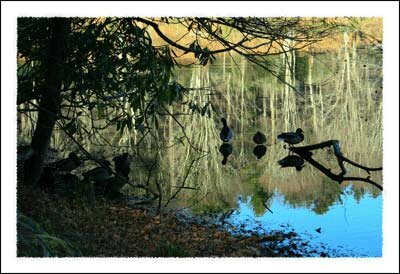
165, 249
203, 110
109, 62
258, 199
358, 193
329, 195
33, 241
115, 74
301, 67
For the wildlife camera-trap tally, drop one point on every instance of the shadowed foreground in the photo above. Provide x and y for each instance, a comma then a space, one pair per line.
112, 229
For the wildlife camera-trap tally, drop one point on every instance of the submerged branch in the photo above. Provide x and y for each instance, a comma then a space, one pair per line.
266, 201
306, 154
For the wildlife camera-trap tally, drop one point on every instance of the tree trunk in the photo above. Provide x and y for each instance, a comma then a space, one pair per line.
50, 99
310, 86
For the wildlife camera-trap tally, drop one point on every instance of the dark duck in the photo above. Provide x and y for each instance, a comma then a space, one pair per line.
99, 174
259, 151
292, 161
259, 138
67, 164
109, 188
122, 165
292, 138
226, 150
226, 133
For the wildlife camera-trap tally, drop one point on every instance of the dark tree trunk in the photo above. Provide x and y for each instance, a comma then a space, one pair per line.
19, 123
50, 98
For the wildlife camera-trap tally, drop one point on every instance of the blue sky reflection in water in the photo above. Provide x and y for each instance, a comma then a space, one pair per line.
348, 229
351, 223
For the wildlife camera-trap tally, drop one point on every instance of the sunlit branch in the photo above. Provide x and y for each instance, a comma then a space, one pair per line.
179, 46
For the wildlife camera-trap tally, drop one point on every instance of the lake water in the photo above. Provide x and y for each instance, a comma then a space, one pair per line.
343, 102
349, 228
339, 96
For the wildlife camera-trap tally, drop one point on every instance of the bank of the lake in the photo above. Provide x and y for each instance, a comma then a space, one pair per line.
53, 225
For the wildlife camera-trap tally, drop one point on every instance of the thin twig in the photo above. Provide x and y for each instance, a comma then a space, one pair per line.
184, 180
89, 156
183, 131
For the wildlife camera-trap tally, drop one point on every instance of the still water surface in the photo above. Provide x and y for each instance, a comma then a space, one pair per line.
340, 98
351, 228
340, 101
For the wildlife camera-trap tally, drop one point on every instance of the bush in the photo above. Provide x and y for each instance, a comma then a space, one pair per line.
33, 241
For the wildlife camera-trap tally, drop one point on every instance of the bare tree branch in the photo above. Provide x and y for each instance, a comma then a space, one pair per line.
179, 46
306, 154
184, 179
